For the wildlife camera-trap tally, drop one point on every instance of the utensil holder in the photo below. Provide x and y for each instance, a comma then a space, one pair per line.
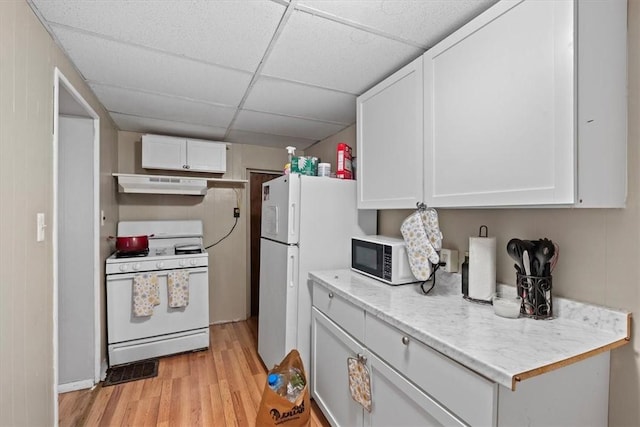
536, 296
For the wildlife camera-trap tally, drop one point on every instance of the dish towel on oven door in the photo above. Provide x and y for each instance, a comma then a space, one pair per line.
146, 294
178, 288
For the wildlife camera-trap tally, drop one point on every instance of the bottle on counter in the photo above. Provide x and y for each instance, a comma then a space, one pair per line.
465, 275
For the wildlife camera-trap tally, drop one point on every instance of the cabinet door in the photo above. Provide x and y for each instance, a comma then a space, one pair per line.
206, 156
397, 402
390, 141
499, 112
163, 152
330, 348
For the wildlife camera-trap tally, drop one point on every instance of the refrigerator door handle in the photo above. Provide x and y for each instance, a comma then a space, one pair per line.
292, 272
292, 220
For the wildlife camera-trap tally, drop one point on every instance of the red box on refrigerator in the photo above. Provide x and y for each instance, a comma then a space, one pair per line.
343, 170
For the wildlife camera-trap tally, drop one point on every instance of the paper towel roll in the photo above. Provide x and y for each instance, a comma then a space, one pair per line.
482, 267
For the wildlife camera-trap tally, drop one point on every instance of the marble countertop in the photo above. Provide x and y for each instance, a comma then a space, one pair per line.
503, 350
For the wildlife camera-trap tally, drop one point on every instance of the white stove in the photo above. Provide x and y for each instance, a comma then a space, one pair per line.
173, 246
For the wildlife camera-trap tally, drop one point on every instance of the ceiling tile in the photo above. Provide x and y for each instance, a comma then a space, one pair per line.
166, 127
282, 125
235, 33
267, 140
124, 65
324, 53
162, 107
283, 97
422, 22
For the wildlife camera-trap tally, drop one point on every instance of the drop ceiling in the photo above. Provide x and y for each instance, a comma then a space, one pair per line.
265, 72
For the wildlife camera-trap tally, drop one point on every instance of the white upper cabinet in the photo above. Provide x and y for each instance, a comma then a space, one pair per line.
390, 141
526, 105
173, 153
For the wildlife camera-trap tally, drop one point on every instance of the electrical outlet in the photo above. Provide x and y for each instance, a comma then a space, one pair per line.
236, 212
450, 257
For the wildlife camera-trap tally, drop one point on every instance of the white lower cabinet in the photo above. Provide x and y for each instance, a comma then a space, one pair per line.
397, 402
414, 385
331, 347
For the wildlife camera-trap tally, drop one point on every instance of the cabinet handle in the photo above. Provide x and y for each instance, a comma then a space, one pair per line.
405, 340
362, 358
330, 295
187, 167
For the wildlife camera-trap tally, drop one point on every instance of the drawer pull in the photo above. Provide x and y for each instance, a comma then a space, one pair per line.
330, 295
405, 340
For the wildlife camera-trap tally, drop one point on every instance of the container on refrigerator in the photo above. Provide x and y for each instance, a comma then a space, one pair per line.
307, 224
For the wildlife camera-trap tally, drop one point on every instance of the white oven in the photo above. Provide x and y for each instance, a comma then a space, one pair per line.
167, 330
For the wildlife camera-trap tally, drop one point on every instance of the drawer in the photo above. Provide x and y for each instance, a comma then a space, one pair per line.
348, 316
468, 395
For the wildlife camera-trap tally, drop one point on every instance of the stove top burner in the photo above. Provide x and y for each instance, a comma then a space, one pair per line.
135, 254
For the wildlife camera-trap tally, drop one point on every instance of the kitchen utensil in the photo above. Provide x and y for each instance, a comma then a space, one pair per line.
126, 244
554, 259
527, 294
543, 252
516, 248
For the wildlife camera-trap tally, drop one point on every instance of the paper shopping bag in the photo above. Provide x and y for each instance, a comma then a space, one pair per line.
275, 408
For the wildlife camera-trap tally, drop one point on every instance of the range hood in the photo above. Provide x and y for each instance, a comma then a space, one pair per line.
161, 184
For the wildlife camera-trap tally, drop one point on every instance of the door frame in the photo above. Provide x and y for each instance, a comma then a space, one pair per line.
58, 80
248, 172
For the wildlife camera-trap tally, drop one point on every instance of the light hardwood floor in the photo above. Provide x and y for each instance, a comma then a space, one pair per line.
218, 387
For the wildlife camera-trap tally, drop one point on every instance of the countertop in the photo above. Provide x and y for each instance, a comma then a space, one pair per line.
504, 350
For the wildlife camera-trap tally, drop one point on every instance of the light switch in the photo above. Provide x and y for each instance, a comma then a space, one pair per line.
40, 224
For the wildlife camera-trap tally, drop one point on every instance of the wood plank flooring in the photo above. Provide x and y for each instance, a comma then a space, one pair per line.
218, 387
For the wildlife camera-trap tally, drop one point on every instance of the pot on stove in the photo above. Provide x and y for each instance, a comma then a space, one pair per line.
126, 244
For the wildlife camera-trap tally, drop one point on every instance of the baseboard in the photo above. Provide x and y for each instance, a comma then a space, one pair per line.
221, 322
77, 385
103, 369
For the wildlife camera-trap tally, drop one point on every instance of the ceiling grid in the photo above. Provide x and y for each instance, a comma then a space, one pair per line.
266, 72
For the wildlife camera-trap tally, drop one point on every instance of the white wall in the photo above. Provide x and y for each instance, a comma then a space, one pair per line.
28, 57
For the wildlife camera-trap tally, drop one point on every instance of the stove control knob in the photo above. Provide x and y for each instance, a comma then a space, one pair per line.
159, 264
182, 263
136, 266
124, 267
193, 262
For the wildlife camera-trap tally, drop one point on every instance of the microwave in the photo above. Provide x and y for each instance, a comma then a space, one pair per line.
383, 258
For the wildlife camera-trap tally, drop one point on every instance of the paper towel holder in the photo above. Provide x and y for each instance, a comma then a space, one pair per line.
482, 230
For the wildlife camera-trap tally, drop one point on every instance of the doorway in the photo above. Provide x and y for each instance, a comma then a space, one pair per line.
76, 267
256, 179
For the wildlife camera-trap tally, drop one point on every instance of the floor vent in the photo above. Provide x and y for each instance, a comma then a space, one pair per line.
132, 372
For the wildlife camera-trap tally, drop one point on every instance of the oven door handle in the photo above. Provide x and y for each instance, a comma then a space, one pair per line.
159, 273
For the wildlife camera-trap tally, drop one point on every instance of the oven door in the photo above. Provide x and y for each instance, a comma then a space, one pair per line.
123, 326
368, 257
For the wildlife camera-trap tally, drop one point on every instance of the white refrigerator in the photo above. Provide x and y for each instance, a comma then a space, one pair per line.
307, 224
